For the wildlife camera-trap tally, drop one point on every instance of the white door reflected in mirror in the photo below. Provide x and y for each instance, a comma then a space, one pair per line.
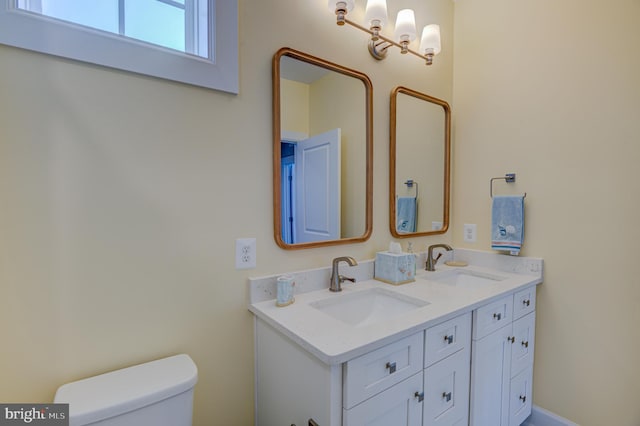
311, 191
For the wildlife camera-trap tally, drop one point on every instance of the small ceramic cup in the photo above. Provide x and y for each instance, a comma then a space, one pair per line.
284, 294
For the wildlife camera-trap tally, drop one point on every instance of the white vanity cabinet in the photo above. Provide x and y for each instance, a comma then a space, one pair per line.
455, 348
421, 379
502, 360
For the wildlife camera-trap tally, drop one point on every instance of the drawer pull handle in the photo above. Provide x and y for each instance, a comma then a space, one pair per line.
448, 339
526, 302
511, 339
391, 366
446, 396
497, 316
419, 395
525, 344
523, 398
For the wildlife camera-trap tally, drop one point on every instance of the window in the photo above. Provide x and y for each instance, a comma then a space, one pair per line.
192, 41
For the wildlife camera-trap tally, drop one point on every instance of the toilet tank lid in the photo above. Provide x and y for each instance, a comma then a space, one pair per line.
118, 392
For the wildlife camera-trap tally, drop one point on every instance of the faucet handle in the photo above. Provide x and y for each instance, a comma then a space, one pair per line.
342, 278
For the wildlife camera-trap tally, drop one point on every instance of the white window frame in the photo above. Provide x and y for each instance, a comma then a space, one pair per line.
43, 34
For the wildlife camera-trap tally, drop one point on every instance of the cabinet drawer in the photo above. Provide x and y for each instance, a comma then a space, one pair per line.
399, 405
447, 338
380, 369
523, 343
446, 390
524, 302
492, 317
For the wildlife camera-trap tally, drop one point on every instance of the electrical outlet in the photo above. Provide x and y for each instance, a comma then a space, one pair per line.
533, 266
436, 226
470, 232
245, 253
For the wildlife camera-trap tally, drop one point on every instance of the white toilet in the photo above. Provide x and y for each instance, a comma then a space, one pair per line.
157, 393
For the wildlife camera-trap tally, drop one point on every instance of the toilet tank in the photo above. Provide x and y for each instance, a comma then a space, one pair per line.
158, 393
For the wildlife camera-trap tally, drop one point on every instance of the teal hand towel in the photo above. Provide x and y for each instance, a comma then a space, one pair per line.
507, 223
406, 214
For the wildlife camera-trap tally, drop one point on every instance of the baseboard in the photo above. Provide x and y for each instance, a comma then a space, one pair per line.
541, 417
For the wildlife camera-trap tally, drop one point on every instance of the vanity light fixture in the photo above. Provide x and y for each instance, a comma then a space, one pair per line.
405, 31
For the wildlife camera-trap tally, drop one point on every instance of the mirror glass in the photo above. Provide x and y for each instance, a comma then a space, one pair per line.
322, 152
420, 145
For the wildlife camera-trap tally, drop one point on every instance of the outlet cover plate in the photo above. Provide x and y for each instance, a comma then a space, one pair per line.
470, 232
245, 253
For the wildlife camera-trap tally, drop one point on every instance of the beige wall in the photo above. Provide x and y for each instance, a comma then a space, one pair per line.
294, 106
122, 197
550, 90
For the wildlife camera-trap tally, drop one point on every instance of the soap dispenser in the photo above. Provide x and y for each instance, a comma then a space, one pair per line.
410, 251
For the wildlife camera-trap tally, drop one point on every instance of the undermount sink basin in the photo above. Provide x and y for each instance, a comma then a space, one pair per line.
466, 279
368, 306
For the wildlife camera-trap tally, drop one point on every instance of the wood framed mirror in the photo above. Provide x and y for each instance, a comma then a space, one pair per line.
419, 164
322, 152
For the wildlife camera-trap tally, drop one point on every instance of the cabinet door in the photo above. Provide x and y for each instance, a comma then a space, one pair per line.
446, 391
292, 385
520, 397
490, 376
522, 348
400, 405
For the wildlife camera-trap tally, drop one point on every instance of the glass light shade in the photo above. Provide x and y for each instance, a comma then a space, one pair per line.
376, 11
430, 42
406, 25
349, 3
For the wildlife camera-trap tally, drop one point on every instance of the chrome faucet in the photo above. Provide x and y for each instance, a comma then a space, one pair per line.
431, 262
336, 278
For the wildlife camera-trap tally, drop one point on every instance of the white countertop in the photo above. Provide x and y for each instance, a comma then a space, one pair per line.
334, 342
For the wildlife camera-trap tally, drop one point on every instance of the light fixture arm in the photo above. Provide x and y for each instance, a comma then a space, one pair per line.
378, 49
